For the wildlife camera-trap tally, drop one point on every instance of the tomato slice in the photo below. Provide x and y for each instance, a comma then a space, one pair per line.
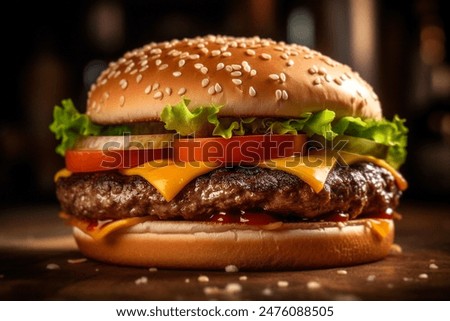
249, 149
103, 153
78, 161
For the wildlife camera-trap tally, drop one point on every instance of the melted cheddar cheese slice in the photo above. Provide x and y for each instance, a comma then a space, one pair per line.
169, 178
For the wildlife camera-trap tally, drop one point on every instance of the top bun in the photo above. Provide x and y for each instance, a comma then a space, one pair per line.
248, 76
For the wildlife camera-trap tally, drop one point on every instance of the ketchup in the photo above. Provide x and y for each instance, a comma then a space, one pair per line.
92, 225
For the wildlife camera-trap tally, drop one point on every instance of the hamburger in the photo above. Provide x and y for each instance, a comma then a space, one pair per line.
210, 151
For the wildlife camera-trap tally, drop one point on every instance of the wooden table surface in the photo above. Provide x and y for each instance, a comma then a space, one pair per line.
33, 239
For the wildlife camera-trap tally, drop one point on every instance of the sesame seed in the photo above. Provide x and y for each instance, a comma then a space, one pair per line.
144, 62
211, 90
274, 77
236, 67
103, 82
328, 78
433, 266
217, 88
224, 48
187, 280
176, 73
52, 266
278, 94
155, 86
231, 268
175, 53
247, 68
313, 285
283, 284
168, 91
284, 95
226, 54
158, 95
322, 71
236, 81
123, 84
205, 82
162, 67
283, 77
181, 63
198, 65
307, 56
252, 91
143, 69
204, 50
138, 78
423, 276
215, 53
194, 56
158, 62
313, 70
153, 269
267, 292
122, 101
338, 81
253, 72
148, 89
229, 68
204, 70
317, 81
203, 278
250, 52
285, 56
341, 272
290, 63
232, 288
156, 51
133, 71
117, 73
266, 56
236, 73
220, 66
141, 280
278, 48
371, 278
181, 91
243, 278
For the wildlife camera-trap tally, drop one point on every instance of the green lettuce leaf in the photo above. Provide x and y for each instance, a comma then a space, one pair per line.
185, 122
389, 133
393, 134
68, 125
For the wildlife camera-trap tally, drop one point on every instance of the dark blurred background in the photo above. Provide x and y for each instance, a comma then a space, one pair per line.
55, 50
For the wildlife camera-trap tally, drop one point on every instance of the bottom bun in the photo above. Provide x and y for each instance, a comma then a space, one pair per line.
202, 245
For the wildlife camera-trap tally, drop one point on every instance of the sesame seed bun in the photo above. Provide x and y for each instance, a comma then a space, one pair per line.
202, 245
248, 76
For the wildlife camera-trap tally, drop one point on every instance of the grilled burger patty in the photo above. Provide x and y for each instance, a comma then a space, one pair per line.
360, 188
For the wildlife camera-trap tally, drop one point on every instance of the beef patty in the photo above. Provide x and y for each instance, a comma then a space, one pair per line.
362, 188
